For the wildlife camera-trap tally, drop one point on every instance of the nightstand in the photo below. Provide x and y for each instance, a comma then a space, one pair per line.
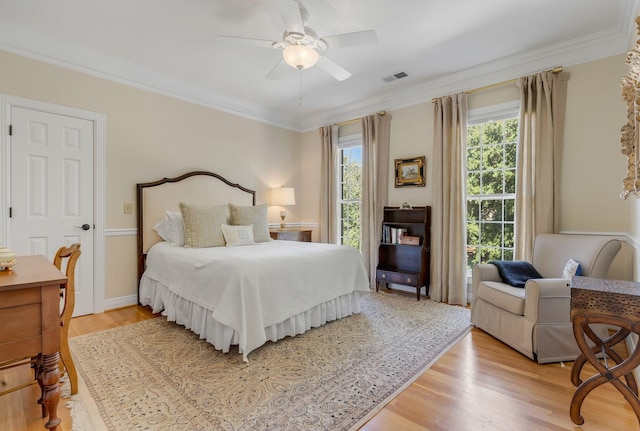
291, 234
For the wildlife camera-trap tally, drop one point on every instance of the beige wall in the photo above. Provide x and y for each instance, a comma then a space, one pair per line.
150, 136
592, 165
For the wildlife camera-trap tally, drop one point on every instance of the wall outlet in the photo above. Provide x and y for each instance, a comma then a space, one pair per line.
128, 208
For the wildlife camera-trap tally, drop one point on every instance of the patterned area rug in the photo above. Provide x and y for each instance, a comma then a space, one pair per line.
155, 375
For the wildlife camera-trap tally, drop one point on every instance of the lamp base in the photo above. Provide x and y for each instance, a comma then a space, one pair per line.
283, 214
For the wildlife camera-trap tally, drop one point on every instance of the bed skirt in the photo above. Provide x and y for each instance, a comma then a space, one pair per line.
200, 321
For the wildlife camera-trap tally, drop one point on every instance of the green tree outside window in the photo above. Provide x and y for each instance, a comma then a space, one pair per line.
350, 196
491, 184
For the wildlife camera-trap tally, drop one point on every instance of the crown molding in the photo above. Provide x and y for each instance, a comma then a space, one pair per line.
581, 50
604, 44
32, 45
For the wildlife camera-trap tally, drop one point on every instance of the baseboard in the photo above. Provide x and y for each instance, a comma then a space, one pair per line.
122, 301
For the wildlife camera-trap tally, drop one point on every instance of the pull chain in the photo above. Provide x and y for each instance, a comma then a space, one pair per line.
300, 88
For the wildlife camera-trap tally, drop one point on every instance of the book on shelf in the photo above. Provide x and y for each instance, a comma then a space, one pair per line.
393, 235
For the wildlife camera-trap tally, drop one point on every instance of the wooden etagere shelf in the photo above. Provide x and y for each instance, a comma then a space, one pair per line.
405, 250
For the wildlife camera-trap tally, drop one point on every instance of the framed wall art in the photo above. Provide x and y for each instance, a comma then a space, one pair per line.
410, 172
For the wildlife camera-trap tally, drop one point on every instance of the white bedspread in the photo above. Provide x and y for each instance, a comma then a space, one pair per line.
250, 288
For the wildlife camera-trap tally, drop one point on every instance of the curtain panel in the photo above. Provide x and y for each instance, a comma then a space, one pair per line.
542, 110
329, 188
448, 212
376, 138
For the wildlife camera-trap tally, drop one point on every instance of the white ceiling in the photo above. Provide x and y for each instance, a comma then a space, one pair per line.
445, 46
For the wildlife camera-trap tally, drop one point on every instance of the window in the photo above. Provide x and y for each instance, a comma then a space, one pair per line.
491, 184
349, 190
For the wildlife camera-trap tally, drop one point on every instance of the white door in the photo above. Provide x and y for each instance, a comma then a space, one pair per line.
52, 191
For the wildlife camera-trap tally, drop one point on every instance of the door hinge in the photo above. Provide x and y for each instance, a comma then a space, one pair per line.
10, 129
10, 212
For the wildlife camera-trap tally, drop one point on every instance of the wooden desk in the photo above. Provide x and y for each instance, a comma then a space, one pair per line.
30, 323
610, 302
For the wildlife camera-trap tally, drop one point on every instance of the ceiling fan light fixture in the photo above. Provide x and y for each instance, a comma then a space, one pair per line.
300, 56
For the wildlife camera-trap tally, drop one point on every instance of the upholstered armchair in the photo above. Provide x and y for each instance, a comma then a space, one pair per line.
535, 319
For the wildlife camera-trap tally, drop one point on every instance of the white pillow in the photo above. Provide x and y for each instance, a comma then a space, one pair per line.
177, 228
237, 235
164, 228
571, 268
171, 228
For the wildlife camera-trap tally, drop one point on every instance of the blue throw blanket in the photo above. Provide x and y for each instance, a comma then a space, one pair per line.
516, 272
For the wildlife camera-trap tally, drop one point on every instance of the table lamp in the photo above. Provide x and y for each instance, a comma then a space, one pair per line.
283, 196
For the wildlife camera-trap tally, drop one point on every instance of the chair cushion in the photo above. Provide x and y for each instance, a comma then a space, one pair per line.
502, 295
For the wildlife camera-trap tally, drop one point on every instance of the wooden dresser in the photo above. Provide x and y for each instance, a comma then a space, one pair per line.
291, 234
30, 322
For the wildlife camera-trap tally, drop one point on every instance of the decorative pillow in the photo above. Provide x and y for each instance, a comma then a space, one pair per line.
571, 268
202, 225
516, 272
237, 235
252, 214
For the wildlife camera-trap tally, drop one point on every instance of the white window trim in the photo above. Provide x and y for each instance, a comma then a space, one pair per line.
497, 112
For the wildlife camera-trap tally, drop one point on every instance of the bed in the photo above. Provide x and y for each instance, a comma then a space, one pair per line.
261, 290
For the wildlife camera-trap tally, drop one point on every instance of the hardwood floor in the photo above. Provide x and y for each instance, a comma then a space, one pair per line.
480, 384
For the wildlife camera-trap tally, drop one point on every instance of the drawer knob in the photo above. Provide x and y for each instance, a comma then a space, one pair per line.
408, 279
384, 275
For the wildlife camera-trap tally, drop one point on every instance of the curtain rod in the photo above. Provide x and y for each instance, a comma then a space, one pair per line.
342, 123
497, 84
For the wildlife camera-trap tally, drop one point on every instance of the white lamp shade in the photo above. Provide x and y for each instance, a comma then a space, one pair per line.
300, 56
283, 196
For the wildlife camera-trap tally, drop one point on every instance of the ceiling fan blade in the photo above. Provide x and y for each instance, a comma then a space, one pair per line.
365, 37
333, 69
246, 41
278, 70
290, 12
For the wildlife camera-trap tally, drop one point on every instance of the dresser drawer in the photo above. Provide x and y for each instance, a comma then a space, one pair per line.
20, 323
14, 298
387, 276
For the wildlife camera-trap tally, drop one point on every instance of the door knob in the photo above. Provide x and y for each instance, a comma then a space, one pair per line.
84, 227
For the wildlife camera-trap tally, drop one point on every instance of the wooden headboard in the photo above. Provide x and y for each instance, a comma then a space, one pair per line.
198, 187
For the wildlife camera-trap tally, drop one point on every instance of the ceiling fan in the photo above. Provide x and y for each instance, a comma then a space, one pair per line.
301, 47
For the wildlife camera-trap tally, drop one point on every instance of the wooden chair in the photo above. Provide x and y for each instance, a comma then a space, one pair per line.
68, 295
71, 254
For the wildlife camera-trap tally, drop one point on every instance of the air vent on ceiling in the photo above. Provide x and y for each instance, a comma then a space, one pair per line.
395, 77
